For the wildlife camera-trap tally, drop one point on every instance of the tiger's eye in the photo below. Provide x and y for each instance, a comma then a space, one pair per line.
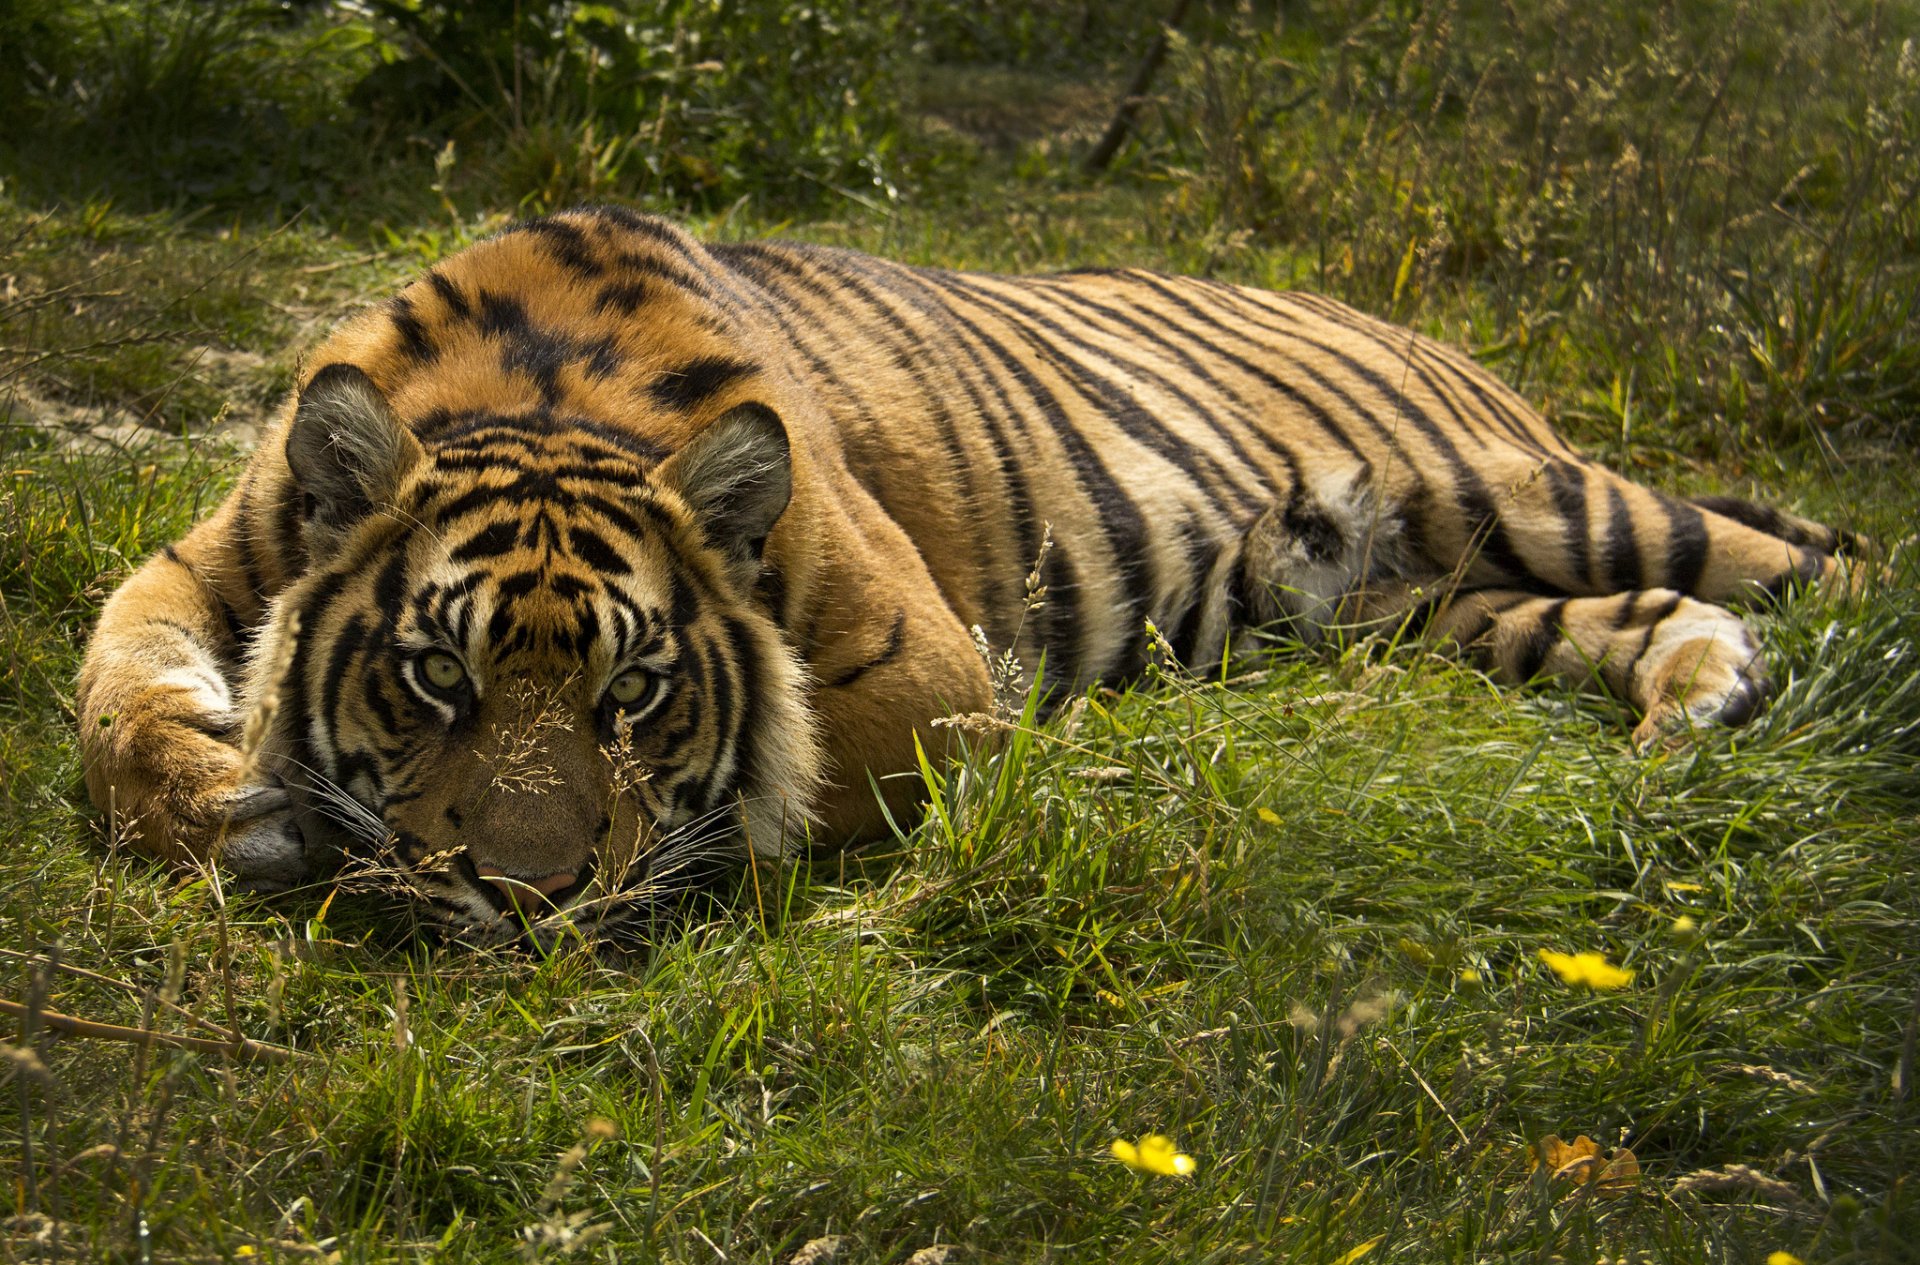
442, 671
628, 687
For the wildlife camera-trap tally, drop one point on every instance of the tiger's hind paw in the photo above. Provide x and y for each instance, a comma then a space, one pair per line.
1717, 679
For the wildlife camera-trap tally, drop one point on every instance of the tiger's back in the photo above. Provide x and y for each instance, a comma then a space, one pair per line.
1153, 420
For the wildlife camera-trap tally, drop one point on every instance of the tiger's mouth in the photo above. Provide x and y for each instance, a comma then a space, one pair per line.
631, 898
630, 885
529, 910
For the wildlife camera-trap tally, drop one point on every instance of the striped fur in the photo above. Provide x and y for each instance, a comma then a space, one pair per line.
781, 484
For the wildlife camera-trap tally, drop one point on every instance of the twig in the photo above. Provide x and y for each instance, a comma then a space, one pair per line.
1136, 92
314, 269
244, 1046
81, 971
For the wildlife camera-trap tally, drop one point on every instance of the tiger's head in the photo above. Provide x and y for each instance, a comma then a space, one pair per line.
526, 662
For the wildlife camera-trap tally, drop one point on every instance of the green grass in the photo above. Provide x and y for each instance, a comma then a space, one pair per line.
1291, 919
1156, 920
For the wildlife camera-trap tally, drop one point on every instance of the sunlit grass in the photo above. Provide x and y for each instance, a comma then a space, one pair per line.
1292, 920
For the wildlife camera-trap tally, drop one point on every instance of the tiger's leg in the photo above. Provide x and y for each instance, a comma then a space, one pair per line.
888, 656
160, 715
872, 711
1677, 659
1576, 527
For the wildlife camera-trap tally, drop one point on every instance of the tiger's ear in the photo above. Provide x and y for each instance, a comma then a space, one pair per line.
347, 451
737, 477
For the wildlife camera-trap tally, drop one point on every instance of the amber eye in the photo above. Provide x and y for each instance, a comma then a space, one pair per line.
629, 688
442, 671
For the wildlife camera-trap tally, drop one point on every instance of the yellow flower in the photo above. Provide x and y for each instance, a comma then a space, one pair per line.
1154, 1154
1783, 1258
1470, 976
1591, 969
1685, 929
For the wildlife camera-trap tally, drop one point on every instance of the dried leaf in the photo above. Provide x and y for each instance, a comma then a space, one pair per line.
1583, 1163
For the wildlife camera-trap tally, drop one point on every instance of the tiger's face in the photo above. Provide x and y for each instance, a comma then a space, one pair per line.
528, 666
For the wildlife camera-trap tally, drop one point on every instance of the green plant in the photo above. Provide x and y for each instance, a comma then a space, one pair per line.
167, 100
1608, 187
680, 100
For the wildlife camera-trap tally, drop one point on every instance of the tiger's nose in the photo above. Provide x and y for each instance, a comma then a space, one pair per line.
531, 896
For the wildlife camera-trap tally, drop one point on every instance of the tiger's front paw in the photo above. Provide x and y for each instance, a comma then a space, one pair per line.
176, 793
262, 848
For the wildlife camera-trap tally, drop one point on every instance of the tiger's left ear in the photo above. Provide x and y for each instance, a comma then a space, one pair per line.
737, 477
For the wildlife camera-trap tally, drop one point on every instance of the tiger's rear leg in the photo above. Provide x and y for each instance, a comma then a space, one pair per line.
1637, 608
1678, 660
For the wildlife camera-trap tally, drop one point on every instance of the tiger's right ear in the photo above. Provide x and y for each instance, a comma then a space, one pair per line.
347, 451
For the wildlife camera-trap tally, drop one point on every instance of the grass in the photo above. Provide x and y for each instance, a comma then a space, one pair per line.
1291, 919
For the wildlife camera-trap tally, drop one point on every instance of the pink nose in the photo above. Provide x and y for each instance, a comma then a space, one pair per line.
529, 895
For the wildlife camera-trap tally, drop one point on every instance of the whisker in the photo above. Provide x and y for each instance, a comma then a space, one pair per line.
347, 811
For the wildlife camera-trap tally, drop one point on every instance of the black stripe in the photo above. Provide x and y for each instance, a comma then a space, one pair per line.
746, 654
1249, 413
1422, 352
413, 333
1210, 478
1120, 519
1539, 641
651, 227
1487, 614
721, 689
457, 306
564, 242
1321, 418
1687, 544
592, 548
911, 351
600, 358
650, 266
375, 695
340, 654
1622, 547
1567, 484
698, 381
1202, 554
624, 297
896, 639
389, 587
1667, 608
488, 542
1471, 498
1804, 570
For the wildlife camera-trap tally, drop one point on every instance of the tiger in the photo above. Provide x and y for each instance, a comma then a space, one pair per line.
596, 554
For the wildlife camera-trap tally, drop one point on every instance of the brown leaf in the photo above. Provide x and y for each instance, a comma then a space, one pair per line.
1582, 1163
